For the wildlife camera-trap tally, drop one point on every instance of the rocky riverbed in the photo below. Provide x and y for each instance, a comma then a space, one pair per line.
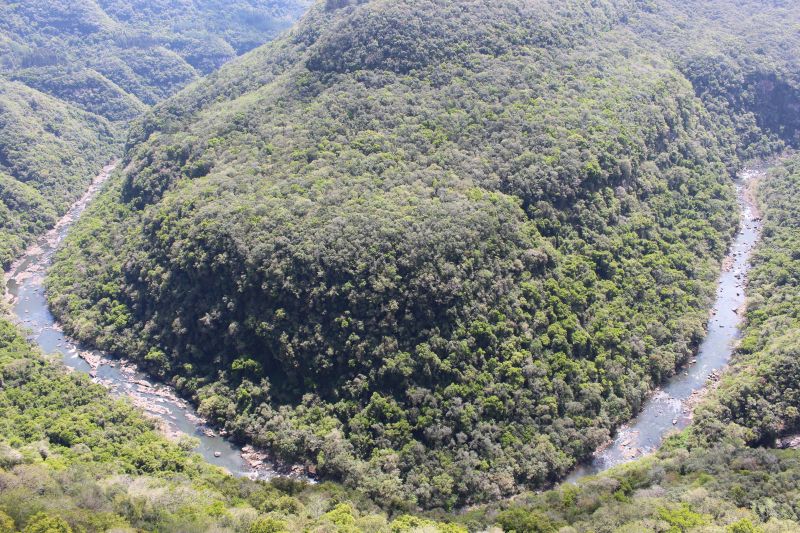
669, 408
25, 295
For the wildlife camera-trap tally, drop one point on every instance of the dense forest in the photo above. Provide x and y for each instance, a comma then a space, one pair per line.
741, 58
711, 477
439, 251
72, 459
72, 73
728, 488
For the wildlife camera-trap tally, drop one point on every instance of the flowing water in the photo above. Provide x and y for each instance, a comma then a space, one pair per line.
667, 410
670, 407
27, 296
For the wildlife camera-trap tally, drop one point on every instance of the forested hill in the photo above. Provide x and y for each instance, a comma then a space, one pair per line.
741, 58
72, 73
114, 57
439, 250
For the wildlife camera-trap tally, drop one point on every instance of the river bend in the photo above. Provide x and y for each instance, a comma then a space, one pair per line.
669, 408
26, 294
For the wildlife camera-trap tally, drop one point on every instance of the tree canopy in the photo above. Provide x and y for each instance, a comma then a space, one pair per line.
437, 250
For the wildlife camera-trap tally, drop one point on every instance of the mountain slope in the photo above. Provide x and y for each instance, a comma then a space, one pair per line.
49, 151
437, 250
130, 53
74, 72
742, 59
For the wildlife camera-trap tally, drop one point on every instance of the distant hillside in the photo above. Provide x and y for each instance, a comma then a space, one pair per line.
438, 250
742, 59
73, 73
110, 57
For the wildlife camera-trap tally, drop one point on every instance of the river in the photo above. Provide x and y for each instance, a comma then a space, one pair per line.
26, 294
669, 408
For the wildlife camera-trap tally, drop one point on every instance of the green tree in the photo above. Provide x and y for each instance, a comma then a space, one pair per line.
43, 523
6, 523
268, 524
744, 526
520, 520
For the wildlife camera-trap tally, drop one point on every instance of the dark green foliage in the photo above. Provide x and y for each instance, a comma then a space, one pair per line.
23, 214
439, 250
50, 146
372, 39
708, 475
742, 60
439, 269
86, 89
74, 459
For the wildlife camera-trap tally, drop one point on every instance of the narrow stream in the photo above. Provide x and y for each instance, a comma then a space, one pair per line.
670, 407
27, 297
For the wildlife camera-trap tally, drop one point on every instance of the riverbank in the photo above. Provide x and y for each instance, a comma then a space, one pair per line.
670, 407
53, 236
177, 419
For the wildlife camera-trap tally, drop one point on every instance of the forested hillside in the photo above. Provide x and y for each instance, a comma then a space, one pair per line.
742, 60
728, 488
73, 72
49, 152
73, 459
114, 57
708, 478
437, 250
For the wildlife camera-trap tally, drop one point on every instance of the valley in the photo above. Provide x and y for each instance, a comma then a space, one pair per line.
668, 410
412, 265
454, 282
